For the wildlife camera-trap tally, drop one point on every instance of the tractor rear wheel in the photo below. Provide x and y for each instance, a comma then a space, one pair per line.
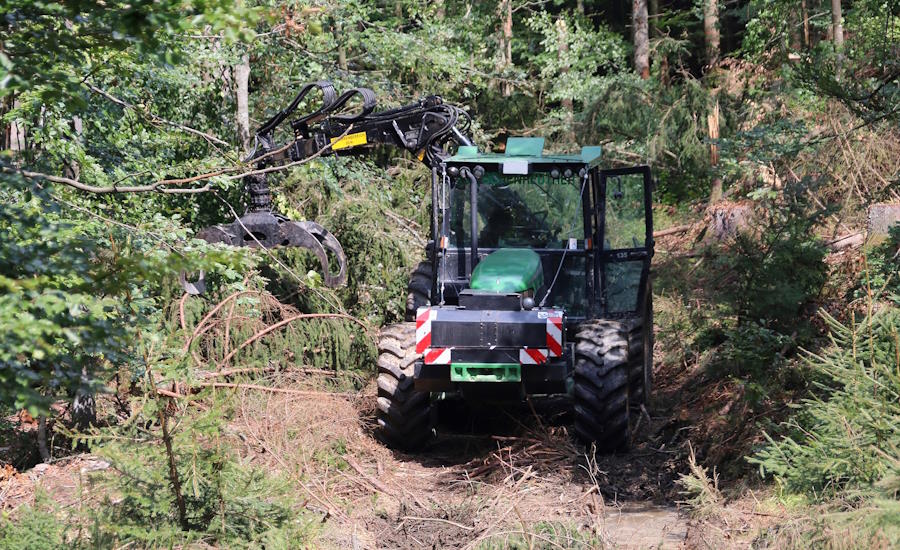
603, 367
419, 289
405, 416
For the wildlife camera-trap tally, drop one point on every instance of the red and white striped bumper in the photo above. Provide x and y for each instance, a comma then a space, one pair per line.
459, 342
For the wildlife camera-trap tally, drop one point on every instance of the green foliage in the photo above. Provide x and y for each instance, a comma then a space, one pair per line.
863, 75
881, 277
229, 502
663, 125
576, 58
75, 291
780, 267
34, 527
66, 31
848, 438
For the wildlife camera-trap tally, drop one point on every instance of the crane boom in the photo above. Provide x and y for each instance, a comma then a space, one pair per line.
427, 128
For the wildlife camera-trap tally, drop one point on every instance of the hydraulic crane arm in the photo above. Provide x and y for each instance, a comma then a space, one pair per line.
428, 128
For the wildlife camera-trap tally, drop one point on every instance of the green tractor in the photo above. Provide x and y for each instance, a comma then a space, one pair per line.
536, 283
537, 277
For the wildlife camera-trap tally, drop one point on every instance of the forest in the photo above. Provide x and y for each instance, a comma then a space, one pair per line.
136, 412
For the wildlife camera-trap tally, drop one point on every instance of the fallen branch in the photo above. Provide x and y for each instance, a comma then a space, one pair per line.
847, 241
282, 323
307, 393
407, 225
379, 486
159, 186
155, 187
672, 230
440, 520
208, 316
232, 372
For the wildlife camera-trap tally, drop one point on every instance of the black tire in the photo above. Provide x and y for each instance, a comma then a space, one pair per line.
418, 292
405, 416
602, 375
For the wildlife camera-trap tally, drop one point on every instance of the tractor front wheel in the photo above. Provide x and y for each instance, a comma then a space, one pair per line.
405, 416
602, 373
418, 292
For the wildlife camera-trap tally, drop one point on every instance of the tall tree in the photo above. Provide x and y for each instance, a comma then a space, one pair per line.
506, 33
242, 93
341, 50
562, 45
804, 16
837, 26
711, 31
641, 38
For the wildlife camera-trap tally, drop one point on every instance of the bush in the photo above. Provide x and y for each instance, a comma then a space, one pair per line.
34, 527
849, 437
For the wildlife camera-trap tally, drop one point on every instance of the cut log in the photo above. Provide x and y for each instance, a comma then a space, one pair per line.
672, 230
847, 241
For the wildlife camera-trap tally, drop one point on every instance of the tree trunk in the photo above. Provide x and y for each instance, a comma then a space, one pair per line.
14, 134
84, 406
837, 26
711, 31
341, 50
174, 480
242, 92
653, 19
804, 16
43, 449
505, 9
712, 120
641, 38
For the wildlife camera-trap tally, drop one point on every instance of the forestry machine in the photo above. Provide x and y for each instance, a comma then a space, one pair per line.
536, 278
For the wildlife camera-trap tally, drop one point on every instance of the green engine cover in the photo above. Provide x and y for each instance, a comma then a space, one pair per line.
509, 270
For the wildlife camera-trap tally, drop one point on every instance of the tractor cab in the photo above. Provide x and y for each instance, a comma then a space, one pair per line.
537, 284
526, 223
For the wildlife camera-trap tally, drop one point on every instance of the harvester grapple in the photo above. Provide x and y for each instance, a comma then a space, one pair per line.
345, 124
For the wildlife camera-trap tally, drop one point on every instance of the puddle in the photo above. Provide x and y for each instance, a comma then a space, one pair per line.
635, 526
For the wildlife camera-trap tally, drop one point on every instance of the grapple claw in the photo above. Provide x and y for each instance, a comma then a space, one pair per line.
314, 237
270, 230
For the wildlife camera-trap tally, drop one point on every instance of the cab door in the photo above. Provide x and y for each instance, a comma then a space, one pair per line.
625, 239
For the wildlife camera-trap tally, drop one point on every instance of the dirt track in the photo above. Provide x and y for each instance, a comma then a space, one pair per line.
516, 480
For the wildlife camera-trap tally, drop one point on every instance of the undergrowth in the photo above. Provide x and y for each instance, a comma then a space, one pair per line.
842, 447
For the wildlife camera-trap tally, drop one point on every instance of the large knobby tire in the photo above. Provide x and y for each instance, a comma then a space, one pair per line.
603, 369
405, 416
419, 289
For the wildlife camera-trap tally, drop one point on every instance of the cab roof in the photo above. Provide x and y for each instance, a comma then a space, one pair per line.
526, 150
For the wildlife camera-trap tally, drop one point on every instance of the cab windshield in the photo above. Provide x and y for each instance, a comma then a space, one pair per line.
519, 211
